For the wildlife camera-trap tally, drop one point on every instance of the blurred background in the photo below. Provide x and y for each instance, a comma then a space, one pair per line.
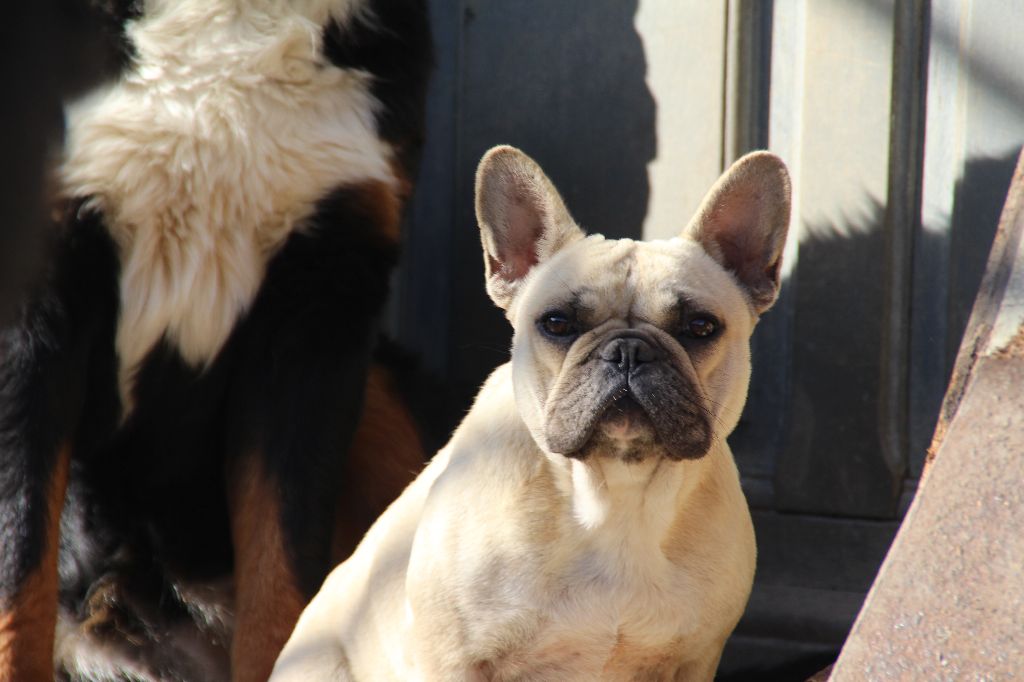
901, 123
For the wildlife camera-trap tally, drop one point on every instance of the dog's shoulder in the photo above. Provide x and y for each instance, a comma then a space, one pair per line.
492, 442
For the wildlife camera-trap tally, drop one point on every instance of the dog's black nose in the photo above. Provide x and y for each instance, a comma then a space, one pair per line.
629, 352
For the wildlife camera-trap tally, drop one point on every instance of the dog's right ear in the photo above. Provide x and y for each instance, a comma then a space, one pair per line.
522, 219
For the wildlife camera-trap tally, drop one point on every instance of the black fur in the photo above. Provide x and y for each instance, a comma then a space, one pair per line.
111, 17
390, 40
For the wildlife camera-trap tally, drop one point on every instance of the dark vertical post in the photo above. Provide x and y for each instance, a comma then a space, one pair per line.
902, 223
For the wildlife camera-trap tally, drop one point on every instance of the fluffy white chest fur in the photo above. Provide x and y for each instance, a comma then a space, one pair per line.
499, 563
209, 153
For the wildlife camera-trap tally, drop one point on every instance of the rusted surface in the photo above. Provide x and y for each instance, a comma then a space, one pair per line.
948, 603
1013, 349
1004, 254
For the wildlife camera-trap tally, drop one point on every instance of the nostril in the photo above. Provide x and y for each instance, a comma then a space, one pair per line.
612, 352
644, 352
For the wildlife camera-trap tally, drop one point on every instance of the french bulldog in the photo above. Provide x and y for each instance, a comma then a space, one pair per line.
586, 520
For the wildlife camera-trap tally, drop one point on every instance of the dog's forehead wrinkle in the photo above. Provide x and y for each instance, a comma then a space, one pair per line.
645, 281
569, 289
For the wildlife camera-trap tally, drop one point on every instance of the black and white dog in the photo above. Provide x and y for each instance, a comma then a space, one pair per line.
180, 389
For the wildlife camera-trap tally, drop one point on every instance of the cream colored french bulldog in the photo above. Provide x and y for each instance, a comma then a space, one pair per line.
585, 522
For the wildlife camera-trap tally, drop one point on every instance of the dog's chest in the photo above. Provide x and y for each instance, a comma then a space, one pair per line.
608, 622
206, 157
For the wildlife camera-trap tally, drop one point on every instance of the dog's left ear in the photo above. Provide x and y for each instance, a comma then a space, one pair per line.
522, 219
743, 222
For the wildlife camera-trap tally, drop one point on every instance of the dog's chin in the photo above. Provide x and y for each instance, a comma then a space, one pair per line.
624, 432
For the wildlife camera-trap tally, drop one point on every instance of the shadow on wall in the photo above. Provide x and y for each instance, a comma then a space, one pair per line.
825, 431
837, 407
978, 202
565, 82
817, 356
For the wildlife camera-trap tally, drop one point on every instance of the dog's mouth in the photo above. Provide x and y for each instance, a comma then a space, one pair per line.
623, 431
624, 419
650, 414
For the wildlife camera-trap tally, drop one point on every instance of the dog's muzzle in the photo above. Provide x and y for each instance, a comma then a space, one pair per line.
630, 373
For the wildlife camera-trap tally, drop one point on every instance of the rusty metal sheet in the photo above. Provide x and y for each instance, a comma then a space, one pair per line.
948, 603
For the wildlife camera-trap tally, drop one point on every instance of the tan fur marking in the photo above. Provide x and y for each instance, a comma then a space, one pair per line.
267, 603
381, 201
403, 183
385, 457
27, 626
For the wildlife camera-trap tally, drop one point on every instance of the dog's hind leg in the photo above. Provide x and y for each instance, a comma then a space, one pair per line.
268, 599
28, 570
46, 357
283, 500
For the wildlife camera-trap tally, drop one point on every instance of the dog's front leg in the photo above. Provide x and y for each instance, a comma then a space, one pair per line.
295, 400
699, 670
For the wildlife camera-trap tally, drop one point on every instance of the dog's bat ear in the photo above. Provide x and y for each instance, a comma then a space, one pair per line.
743, 222
522, 219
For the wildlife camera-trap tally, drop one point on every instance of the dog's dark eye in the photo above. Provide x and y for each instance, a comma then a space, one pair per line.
557, 324
700, 327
